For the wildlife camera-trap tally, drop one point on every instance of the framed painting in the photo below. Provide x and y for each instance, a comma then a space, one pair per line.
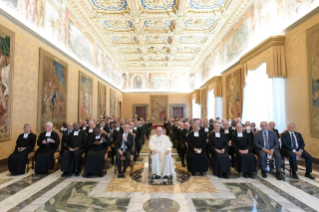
313, 79
7, 39
101, 100
112, 103
158, 81
85, 96
203, 102
234, 95
158, 107
52, 92
238, 40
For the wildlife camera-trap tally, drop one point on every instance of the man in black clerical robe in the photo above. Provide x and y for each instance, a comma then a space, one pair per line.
24, 145
243, 146
219, 145
183, 141
228, 131
97, 148
65, 137
71, 159
48, 143
124, 144
197, 160
206, 130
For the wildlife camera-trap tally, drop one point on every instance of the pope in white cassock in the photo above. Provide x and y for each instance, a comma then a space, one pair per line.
162, 161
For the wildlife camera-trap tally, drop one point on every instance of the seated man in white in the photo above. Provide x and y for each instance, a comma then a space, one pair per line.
162, 161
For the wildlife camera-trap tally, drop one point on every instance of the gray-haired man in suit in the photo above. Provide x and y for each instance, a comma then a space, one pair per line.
267, 143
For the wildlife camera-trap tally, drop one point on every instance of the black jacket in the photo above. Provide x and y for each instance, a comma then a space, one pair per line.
286, 141
129, 142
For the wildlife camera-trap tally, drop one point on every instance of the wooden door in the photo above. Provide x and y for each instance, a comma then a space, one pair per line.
178, 112
141, 112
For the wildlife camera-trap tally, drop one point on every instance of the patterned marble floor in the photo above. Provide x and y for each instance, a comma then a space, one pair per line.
136, 193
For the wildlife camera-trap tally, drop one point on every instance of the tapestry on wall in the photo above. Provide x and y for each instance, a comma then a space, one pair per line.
101, 100
203, 103
85, 97
158, 107
52, 92
234, 95
313, 78
112, 103
6, 68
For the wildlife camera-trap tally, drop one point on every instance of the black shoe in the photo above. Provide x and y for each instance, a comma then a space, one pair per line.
295, 176
101, 174
251, 175
220, 175
309, 176
278, 176
201, 174
183, 165
226, 175
120, 175
264, 174
157, 177
245, 175
123, 175
37, 174
193, 173
77, 174
89, 175
65, 174
165, 177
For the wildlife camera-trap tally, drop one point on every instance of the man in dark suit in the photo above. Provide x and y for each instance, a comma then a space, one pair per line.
272, 127
292, 146
267, 145
149, 127
124, 144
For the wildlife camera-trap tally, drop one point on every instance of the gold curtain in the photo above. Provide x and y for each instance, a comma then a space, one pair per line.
272, 52
196, 96
216, 84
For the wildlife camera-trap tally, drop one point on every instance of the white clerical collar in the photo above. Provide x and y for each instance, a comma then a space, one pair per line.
196, 134
233, 128
48, 134
76, 133
90, 130
226, 131
217, 134
118, 128
98, 136
206, 129
25, 135
240, 134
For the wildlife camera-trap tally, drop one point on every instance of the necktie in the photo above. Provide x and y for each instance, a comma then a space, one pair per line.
123, 145
69, 132
266, 140
111, 134
293, 141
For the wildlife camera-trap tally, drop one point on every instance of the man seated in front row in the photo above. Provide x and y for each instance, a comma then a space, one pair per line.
292, 146
267, 145
124, 144
162, 161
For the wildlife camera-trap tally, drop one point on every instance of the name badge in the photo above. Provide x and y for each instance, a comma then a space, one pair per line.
196, 134
90, 130
25, 135
48, 134
217, 135
206, 129
227, 131
76, 133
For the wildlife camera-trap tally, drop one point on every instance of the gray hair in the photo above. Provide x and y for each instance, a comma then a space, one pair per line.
49, 123
26, 125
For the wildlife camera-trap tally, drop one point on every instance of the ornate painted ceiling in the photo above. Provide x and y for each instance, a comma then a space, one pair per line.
158, 34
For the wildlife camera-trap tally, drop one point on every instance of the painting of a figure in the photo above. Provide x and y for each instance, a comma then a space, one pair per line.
55, 22
6, 69
137, 82
177, 82
78, 42
112, 103
238, 40
125, 81
234, 95
52, 98
85, 97
32, 10
158, 107
313, 78
203, 102
101, 100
